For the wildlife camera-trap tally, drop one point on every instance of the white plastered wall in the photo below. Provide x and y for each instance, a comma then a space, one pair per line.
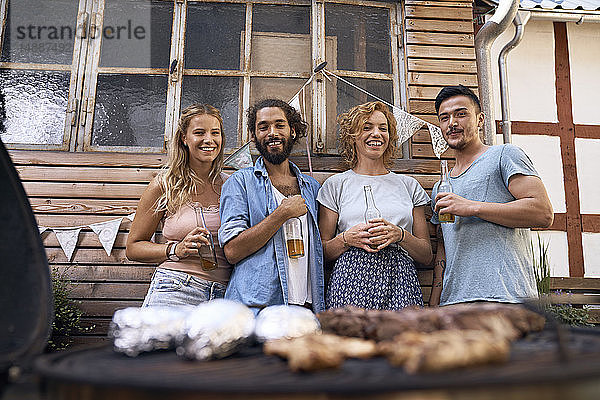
584, 54
532, 94
531, 79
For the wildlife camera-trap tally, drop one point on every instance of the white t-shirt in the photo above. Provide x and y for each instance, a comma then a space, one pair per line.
299, 291
395, 196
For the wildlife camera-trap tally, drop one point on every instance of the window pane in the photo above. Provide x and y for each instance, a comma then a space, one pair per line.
213, 35
40, 31
33, 106
130, 110
363, 37
289, 19
136, 33
220, 92
284, 89
341, 97
281, 38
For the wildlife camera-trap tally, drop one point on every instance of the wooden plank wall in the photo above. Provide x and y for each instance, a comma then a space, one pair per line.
440, 51
76, 189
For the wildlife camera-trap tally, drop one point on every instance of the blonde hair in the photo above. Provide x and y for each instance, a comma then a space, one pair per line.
351, 123
178, 181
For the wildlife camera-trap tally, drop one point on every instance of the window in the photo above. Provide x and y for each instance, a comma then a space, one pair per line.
113, 75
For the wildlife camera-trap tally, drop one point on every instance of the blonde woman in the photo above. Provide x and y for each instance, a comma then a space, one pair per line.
186, 190
374, 259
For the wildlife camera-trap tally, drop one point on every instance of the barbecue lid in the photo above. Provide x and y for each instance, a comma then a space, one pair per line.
26, 306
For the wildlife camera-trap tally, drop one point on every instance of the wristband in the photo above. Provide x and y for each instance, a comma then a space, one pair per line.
402, 237
344, 239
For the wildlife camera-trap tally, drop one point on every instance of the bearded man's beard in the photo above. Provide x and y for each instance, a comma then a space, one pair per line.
275, 158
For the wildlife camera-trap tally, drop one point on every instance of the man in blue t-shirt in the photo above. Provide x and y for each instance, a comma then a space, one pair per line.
497, 195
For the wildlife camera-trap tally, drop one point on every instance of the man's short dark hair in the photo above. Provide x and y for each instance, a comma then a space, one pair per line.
451, 91
293, 117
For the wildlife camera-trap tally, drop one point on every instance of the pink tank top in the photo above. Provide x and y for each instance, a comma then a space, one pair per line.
177, 226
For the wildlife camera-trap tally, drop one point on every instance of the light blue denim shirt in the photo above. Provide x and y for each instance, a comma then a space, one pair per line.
260, 280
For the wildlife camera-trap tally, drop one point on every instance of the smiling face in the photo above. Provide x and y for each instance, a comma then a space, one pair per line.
273, 136
203, 139
460, 120
373, 138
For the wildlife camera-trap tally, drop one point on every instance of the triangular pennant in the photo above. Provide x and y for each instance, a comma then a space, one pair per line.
42, 229
67, 238
107, 233
241, 158
408, 124
295, 102
130, 216
437, 140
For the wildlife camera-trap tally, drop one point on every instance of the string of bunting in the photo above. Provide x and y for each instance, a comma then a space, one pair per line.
407, 123
69, 236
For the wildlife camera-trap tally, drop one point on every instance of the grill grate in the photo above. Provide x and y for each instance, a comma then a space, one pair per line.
534, 359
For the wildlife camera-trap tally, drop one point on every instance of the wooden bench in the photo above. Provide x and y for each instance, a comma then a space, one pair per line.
580, 292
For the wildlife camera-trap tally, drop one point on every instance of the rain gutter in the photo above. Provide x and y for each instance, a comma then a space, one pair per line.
519, 21
505, 13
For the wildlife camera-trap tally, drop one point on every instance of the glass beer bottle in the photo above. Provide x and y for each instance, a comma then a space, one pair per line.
371, 210
294, 239
207, 254
445, 186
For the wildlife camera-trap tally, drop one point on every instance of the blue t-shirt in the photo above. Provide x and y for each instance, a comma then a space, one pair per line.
484, 260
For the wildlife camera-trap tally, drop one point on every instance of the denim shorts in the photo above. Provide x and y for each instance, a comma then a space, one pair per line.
175, 288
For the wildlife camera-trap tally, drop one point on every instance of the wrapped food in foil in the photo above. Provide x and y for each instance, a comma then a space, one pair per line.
135, 330
216, 329
278, 322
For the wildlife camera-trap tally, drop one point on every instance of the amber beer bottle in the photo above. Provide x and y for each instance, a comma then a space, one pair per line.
294, 240
445, 186
371, 210
207, 254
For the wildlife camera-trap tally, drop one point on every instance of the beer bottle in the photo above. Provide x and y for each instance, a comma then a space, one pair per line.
445, 186
371, 210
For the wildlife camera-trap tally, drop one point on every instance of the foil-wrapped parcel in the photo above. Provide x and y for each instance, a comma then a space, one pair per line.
216, 329
135, 330
279, 322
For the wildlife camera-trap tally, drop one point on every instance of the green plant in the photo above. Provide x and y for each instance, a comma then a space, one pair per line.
541, 265
565, 313
67, 315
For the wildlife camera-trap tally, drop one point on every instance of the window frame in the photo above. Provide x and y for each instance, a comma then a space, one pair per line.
86, 59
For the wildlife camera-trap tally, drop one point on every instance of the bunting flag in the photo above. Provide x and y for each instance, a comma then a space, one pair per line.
407, 124
67, 238
42, 229
241, 158
130, 216
437, 140
107, 233
295, 102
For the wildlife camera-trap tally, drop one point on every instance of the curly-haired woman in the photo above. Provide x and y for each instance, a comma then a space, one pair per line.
374, 259
182, 195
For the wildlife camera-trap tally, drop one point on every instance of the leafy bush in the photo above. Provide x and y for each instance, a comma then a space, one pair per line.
564, 313
67, 315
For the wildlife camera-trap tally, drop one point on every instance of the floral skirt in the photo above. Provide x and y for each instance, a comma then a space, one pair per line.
386, 280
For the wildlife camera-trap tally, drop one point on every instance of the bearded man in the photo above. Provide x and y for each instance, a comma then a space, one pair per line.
257, 202
497, 197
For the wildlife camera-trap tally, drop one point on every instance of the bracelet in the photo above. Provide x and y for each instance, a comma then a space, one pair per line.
169, 244
344, 239
402, 238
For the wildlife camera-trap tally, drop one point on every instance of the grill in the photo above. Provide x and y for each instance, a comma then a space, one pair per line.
535, 360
